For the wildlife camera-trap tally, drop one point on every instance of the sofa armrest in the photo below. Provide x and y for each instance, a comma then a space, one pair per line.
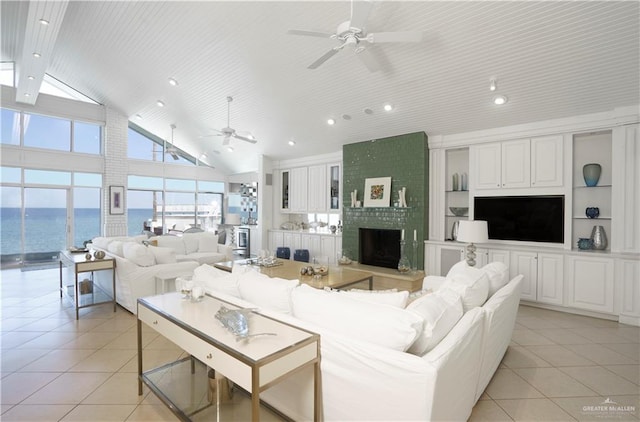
227, 250
432, 282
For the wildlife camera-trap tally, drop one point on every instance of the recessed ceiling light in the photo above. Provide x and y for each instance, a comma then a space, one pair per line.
331, 122
493, 85
160, 103
44, 21
36, 55
173, 82
26, 94
388, 107
292, 142
230, 148
138, 116
500, 99
368, 111
30, 77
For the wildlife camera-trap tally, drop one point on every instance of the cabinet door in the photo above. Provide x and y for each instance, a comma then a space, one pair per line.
546, 161
516, 164
550, 279
292, 241
298, 190
333, 174
317, 189
590, 283
525, 263
276, 239
628, 274
449, 256
285, 189
328, 248
486, 162
498, 255
482, 257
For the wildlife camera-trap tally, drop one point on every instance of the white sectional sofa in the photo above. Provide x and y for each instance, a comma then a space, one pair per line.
381, 361
137, 263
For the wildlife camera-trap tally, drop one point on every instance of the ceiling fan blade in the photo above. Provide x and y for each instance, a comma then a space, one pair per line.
360, 11
402, 36
244, 138
369, 60
326, 56
174, 155
309, 33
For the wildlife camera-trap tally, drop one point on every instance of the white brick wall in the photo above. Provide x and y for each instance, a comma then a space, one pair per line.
115, 166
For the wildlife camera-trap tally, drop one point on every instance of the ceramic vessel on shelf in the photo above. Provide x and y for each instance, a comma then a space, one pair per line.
599, 238
459, 211
454, 230
585, 243
592, 212
591, 173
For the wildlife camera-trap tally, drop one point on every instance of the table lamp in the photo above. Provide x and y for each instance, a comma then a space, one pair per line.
232, 220
472, 231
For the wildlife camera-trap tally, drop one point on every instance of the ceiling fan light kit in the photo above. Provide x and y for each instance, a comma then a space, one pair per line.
228, 132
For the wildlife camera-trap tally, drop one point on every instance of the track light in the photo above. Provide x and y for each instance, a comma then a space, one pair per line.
492, 85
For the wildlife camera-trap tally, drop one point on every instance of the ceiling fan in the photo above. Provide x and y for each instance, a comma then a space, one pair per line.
228, 132
171, 149
352, 33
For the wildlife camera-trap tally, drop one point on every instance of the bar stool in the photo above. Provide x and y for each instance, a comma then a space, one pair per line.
301, 255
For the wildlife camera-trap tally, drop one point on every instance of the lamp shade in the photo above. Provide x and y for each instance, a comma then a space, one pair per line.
473, 231
232, 219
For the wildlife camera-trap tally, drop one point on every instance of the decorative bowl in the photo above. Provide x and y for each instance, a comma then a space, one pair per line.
99, 254
459, 211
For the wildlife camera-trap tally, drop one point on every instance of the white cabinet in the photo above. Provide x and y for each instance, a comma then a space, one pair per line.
298, 190
292, 241
334, 175
590, 283
285, 187
627, 275
276, 240
317, 189
328, 247
546, 161
543, 276
440, 258
525, 163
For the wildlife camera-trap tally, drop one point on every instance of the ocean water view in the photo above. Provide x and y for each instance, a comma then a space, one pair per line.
45, 228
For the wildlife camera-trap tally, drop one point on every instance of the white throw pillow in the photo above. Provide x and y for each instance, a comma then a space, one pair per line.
191, 242
383, 325
441, 312
208, 243
163, 255
498, 275
174, 242
101, 242
115, 247
268, 292
471, 284
217, 280
385, 297
458, 267
138, 254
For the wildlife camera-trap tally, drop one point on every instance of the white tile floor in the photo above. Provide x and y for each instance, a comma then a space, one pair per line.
54, 368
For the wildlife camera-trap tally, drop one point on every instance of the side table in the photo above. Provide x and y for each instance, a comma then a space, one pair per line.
95, 295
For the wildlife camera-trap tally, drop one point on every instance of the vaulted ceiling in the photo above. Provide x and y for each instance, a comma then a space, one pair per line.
551, 59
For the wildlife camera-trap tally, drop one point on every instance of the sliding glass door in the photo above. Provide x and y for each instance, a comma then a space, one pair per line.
46, 223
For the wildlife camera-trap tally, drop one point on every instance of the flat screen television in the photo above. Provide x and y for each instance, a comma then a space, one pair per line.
379, 247
523, 218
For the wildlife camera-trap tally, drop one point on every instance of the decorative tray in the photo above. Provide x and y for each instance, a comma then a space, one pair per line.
73, 249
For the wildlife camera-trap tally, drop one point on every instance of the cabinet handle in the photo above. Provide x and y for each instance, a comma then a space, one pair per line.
209, 356
155, 322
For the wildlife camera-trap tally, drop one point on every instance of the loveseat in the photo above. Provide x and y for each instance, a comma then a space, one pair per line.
138, 262
382, 360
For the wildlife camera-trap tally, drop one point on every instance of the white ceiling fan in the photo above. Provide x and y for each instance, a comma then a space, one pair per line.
353, 33
228, 132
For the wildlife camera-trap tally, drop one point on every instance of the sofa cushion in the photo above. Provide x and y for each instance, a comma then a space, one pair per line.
101, 242
206, 257
115, 247
387, 297
498, 275
441, 311
174, 242
269, 292
217, 280
138, 254
208, 243
383, 325
472, 284
163, 255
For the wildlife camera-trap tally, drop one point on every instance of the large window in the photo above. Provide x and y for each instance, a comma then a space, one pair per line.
38, 131
143, 145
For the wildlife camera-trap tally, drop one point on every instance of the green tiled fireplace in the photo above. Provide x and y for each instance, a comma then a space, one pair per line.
404, 158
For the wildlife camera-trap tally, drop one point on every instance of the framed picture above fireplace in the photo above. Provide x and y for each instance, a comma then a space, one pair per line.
377, 192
